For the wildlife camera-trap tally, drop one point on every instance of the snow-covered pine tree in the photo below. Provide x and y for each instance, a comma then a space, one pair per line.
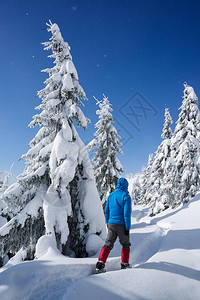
134, 187
170, 170
106, 146
164, 172
55, 200
186, 147
145, 180
143, 185
167, 131
5, 182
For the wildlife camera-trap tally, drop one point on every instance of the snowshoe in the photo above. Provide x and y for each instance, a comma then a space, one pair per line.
100, 267
125, 266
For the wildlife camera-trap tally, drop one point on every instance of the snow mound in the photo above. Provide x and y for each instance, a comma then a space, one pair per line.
165, 254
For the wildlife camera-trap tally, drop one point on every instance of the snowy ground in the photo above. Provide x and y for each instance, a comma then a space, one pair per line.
165, 255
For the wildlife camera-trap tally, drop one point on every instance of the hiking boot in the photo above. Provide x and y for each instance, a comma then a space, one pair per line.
125, 266
100, 267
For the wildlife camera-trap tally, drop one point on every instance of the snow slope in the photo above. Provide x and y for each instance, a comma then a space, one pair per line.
165, 254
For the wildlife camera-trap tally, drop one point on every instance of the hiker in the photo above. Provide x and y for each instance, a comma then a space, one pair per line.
118, 218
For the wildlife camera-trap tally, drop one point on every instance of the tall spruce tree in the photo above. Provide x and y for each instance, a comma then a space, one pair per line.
186, 147
55, 197
135, 187
163, 171
106, 145
170, 170
167, 131
146, 181
4, 182
143, 185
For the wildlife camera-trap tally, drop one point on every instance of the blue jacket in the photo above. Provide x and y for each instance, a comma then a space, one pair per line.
118, 207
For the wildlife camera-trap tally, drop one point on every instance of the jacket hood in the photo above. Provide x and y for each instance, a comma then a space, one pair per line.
122, 184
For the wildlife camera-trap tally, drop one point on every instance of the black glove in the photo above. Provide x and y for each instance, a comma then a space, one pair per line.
126, 232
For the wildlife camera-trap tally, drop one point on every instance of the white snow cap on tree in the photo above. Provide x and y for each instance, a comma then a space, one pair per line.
106, 146
56, 195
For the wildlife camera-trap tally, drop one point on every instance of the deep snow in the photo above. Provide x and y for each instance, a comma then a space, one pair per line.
165, 255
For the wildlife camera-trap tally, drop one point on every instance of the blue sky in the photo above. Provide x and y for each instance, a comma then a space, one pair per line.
138, 53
